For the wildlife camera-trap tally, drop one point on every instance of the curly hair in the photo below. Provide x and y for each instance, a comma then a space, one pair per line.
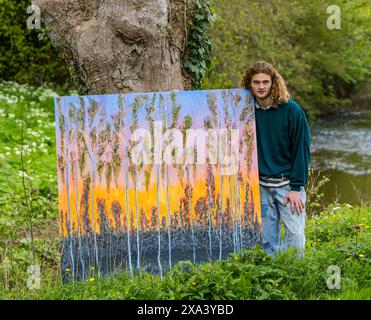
279, 93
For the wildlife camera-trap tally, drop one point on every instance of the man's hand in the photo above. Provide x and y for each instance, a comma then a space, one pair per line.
294, 197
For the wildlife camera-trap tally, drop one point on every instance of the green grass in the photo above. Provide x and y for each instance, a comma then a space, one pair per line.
354, 294
250, 275
340, 236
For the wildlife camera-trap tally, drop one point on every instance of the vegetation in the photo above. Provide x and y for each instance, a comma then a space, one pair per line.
338, 235
197, 57
322, 67
337, 238
27, 55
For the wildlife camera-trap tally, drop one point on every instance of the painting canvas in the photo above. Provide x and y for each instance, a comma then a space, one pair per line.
149, 179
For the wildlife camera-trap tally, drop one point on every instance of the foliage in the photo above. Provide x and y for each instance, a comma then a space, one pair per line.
27, 134
27, 55
250, 275
322, 67
313, 192
197, 57
27, 180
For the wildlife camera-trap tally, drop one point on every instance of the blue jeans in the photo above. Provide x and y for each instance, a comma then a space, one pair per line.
272, 211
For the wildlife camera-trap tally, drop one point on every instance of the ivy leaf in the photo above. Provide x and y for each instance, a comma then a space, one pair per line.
199, 16
201, 50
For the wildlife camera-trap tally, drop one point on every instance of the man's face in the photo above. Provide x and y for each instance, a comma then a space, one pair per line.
261, 85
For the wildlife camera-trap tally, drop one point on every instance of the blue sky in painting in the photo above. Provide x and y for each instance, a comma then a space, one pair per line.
193, 103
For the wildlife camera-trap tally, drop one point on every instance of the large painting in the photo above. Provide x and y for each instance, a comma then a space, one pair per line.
149, 179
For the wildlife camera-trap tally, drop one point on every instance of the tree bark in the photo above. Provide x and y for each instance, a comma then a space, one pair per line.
118, 46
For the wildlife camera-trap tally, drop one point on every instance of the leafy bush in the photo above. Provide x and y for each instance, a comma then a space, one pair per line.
26, 55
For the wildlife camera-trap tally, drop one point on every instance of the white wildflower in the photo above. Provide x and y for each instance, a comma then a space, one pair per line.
24, 174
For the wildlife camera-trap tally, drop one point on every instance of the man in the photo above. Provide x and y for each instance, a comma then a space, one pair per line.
283, 144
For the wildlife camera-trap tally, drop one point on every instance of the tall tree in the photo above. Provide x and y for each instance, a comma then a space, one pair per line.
91, 146
136, 168
74, 119
63, 158
122, 161
131, 45
236, 109
187, 124
161, 110
212, 122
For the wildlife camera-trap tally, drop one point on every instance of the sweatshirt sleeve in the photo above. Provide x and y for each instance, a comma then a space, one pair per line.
299, 134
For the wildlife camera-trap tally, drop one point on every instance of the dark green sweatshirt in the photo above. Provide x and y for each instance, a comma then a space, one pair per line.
283, 141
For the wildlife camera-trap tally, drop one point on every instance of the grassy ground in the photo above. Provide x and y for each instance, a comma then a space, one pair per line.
339, 237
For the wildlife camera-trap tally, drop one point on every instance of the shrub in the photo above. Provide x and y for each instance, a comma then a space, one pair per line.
27, 55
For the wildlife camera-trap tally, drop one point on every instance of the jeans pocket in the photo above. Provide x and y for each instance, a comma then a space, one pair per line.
281, 193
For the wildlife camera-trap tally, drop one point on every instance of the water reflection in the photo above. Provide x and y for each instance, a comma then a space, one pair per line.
341, 148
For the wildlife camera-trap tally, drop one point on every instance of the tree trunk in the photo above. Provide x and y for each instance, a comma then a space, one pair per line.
118, 46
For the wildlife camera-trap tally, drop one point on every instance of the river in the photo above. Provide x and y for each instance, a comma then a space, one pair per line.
341, 150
